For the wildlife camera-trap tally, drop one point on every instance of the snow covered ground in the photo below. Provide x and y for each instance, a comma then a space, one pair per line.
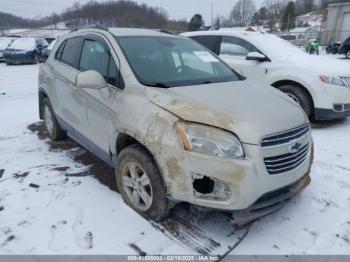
56, 198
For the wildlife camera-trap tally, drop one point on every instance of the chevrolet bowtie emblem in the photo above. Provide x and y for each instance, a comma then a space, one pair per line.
295, 147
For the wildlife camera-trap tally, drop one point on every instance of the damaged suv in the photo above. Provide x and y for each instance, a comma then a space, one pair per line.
176, 122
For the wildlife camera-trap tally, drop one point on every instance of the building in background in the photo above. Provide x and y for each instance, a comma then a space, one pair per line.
338, 21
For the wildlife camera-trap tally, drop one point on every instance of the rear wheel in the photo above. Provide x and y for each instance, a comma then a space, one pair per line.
140, 183
347, 54
299, 96
53, 128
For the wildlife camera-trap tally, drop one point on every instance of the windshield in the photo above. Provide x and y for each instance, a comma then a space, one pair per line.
23, 44
4, 42
169, 61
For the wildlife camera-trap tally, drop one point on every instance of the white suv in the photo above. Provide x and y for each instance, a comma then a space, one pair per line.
321, 85
175, 122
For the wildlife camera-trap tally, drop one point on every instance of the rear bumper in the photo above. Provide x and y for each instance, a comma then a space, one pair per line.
329, 114
270, 202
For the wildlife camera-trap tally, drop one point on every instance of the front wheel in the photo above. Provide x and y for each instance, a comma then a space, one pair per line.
140, 183
299, 96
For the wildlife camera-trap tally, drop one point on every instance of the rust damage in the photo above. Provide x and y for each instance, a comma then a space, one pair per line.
205, 115
174, 167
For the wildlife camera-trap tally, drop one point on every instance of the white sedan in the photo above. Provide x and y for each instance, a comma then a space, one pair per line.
321, 85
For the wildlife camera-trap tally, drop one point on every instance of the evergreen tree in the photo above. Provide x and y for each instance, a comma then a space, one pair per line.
288, 17
196, 22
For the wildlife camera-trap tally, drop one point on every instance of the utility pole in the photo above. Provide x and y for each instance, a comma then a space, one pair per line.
212, 16
288, 22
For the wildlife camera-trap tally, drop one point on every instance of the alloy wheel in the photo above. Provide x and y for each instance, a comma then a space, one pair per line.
137, 186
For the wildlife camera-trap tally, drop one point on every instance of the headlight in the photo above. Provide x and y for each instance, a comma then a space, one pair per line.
333, 81
210, 141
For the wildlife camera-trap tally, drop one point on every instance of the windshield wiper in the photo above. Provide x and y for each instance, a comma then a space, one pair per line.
156, 84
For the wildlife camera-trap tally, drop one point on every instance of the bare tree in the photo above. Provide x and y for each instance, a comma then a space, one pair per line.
242, 13
274, 12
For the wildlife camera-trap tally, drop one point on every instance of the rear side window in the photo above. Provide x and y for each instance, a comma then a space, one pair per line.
71, 51
95, 56
60, 51
212, 42
236, 46
347, 41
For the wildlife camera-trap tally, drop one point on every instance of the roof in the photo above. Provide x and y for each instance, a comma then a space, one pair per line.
117, 31
247, 28
224, 31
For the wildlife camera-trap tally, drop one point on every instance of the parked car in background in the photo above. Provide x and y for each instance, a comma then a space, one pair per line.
47, 51
26, 50
333, 48
177, 123
321, 85
345, 48
4, 43
299, 40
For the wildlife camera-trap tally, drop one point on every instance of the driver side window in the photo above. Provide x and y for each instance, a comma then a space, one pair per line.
235, 46
94, 56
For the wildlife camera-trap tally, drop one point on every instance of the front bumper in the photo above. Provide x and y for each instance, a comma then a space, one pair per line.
18, 59
331, 114
247, 180
331, 102
270, 202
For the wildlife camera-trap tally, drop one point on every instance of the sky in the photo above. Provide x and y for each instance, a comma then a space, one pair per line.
177, 9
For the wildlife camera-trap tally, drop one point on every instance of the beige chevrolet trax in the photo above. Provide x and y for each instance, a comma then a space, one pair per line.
176, 123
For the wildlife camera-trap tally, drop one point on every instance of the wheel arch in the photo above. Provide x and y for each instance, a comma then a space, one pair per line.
42, 96
124, 140
281, 83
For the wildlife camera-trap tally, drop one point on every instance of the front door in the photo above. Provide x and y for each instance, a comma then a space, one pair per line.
234, 50
100, 114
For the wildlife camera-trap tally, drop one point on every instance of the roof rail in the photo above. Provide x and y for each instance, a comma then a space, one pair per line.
165, 31
95, 26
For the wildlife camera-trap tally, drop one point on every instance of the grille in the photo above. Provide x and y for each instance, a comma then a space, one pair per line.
285, 137
287, 162
347, 80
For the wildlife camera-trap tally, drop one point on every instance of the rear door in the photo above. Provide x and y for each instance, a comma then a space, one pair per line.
66, 97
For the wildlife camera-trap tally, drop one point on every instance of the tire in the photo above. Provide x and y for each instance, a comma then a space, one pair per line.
36, 59
328, 51
137, 158
299, 96
347, 54
53, 128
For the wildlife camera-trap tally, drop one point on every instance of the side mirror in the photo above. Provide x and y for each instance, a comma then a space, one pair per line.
90, 79
255, 56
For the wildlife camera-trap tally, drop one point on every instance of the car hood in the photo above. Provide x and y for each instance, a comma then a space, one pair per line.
245, 110
321, 65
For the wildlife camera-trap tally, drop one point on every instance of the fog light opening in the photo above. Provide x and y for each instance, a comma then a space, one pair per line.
338, 107
203, 185
210, 189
